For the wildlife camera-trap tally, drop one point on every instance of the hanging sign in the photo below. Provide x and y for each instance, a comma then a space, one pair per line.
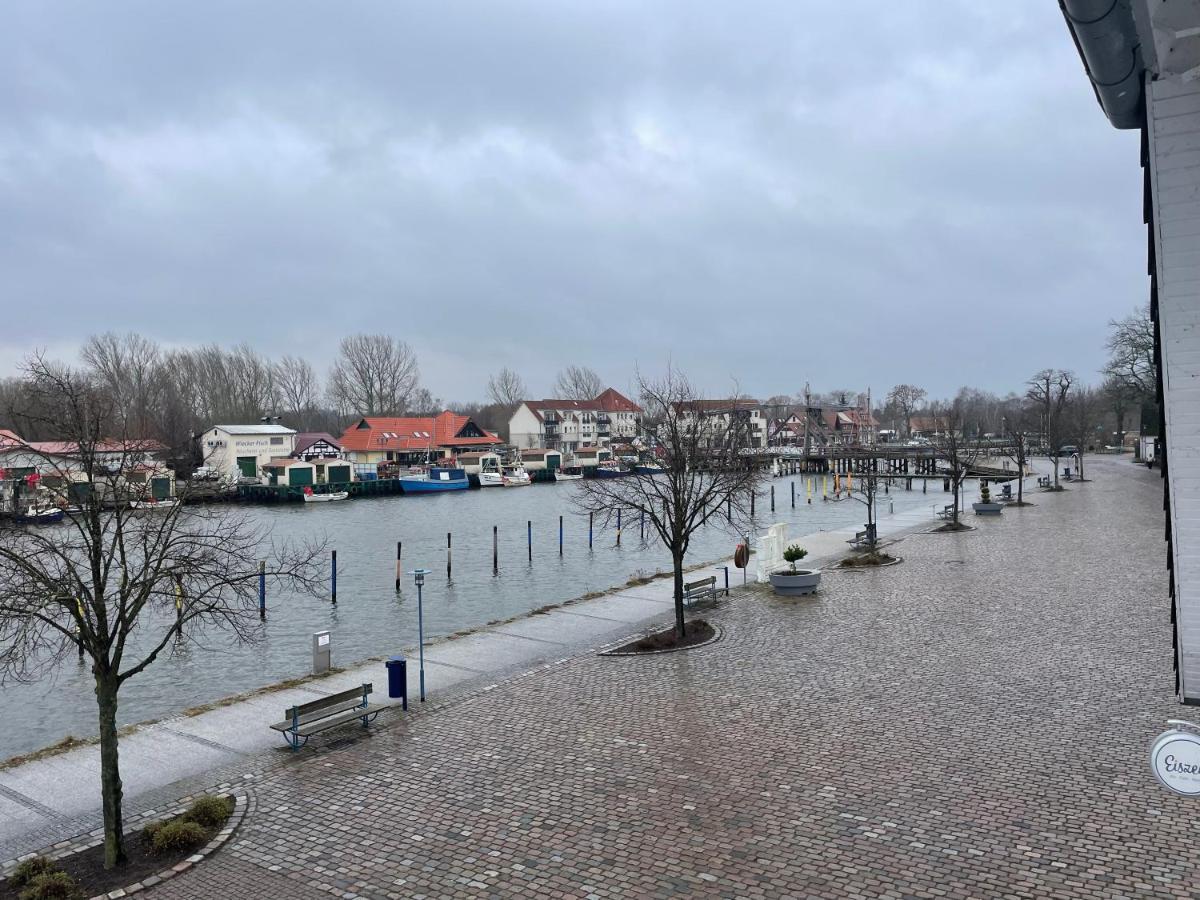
1175, 760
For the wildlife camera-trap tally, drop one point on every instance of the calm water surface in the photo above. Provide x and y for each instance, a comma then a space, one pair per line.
370, 619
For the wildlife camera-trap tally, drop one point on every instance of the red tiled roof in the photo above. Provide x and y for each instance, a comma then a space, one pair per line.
413, 433
614, 401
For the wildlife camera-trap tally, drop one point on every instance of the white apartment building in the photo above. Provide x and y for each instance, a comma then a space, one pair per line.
718, 414
568, 425
240, 451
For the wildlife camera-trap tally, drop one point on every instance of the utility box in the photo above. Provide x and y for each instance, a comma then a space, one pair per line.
321, 648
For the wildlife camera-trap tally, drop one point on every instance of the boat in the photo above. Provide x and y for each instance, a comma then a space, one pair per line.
41, 515
157, 505
569, 473
649, 469
311, 497
610, 468
437, 478
514, 475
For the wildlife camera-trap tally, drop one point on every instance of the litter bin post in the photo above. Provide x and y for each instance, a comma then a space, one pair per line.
397, 672
320, 650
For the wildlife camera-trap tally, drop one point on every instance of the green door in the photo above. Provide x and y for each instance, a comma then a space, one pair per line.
300, 475
338, 474
248, 466
160, 488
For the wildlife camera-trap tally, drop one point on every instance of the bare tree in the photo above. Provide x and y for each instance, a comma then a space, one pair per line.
374, 375
1050, 389
705, 477
128, 367
906, 398
1080, 419
578, 383
298, 389
1131, 353
1016, 434
956, 451
506, 388
1119, 398
119, 587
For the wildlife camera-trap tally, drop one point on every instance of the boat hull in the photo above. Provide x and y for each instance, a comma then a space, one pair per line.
602, 472
326, 498
47, 518
415, 486
156, 505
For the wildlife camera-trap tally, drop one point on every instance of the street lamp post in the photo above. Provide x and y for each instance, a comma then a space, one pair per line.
419, 575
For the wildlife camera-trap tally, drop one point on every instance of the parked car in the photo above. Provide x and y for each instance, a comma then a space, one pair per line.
1068, 450
206, 473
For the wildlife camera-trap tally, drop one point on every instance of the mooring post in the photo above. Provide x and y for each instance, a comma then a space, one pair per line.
399, 570
590, 529
793, 495
642, 525
752, 504
618, 527
495, 550
262, 590
333, 576
772, 498
529, 537
449, 558
560, 536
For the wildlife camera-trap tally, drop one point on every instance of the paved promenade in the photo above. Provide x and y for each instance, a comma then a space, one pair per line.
46, 800
972, 723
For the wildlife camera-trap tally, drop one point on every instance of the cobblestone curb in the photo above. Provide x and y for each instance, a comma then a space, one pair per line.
717, 633
133, 824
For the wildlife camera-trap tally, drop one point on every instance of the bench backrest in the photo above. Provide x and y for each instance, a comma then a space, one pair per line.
328, 706
710, 582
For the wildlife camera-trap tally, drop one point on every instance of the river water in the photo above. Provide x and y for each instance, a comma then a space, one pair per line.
370, 619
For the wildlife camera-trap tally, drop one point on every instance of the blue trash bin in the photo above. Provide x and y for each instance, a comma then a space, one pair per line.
397, 669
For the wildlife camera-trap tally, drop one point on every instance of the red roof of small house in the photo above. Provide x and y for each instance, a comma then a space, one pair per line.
446, 429
71, 448
9, 439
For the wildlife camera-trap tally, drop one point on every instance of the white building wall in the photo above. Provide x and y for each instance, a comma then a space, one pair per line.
1173, 112
222, 449
525, 429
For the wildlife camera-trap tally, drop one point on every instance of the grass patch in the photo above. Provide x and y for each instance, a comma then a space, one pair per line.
698, 632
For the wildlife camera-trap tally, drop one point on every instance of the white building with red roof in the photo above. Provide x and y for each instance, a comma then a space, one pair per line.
413, 439
568, 425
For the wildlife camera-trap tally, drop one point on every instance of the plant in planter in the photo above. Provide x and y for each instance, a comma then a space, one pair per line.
985, 506
793, 582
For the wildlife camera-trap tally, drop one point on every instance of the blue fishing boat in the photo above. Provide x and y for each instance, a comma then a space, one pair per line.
436, 479
649, 469
610, 468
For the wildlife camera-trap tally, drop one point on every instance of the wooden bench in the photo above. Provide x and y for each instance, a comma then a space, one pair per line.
946, 512
1006, 492
863, 539
1044, 481
705, 588
307, 719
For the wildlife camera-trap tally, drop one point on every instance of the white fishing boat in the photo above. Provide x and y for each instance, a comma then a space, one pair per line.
40, 515
311, 497
514, 475
156, 505
569, 473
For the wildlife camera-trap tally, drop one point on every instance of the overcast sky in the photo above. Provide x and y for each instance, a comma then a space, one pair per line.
855, 194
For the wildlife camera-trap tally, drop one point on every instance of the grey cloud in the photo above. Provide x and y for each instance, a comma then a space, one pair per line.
853, 194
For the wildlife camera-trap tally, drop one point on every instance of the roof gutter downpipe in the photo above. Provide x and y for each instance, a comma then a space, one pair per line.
1107, 41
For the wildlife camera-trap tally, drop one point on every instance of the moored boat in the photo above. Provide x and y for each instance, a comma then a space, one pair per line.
569, 473
40, 515
514, 475
610, 468
311, 497
649, 469
156, 505
437, 478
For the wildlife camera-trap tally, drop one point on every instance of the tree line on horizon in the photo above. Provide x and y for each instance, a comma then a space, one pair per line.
172, 394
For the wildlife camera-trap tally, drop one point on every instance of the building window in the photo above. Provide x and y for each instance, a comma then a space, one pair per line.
276, 441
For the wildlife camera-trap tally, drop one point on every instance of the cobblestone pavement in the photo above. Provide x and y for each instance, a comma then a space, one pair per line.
972, 723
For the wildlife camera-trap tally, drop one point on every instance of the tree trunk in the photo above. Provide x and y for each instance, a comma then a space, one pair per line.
677, 563
1054, 461
110, 773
